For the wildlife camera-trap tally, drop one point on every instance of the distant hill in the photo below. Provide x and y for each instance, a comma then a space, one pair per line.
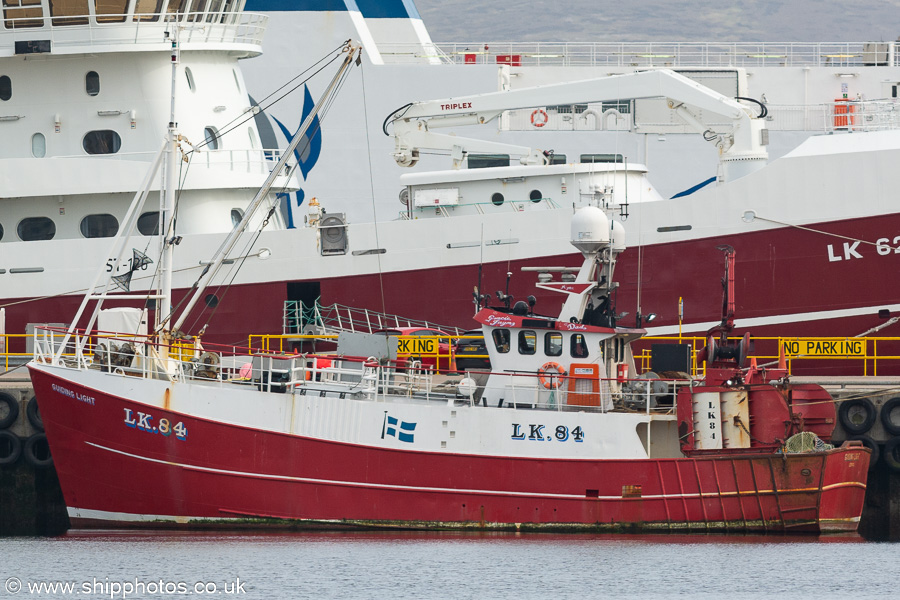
661, 20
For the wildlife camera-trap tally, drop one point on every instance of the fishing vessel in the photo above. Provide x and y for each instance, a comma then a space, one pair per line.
820, 211
551, 441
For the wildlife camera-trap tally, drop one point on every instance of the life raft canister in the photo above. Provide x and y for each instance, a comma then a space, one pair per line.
550, 375
539, 118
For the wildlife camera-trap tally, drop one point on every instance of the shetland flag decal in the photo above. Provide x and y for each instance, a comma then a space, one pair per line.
391, 426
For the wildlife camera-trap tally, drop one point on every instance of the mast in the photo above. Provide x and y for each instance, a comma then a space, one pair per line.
352, 54
167, 201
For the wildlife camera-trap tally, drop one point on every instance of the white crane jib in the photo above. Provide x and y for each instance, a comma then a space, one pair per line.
741, 150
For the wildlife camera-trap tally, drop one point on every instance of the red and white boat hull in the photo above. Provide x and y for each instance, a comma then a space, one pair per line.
303, 459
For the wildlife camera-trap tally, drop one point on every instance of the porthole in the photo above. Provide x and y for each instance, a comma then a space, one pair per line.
536, 195
236, 216
148, 223
36, 228
212, 137
5, 88
92, 83
211, 300
99, 226
102, 141
497, 199
190, 79
38, 145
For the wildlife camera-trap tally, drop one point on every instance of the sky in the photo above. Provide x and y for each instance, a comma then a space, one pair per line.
661, 20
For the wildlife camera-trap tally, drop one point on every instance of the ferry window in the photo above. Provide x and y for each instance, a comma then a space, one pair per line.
23, 13
497, 199
110, 11
212, 137
36, 228
558, 159
483, 161
69, 12
236, 216
92, 83
102, 141
215, 6
38, 145
175, 6
527, 342
553, 343
197, 8
501, 340
1, 232
578, 346
148, 223
99, 226
237, 82
147, 10
189, 75
536, 195
5, 88
602, 158
254, 143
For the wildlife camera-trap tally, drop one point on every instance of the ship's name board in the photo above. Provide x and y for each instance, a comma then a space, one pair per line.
416, 345
820, 347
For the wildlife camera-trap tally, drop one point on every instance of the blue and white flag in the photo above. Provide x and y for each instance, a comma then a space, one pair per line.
391, 426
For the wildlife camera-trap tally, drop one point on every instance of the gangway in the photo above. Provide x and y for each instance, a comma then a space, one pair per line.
334, 319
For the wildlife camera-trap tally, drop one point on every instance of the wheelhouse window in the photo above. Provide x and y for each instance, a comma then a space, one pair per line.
578, 346
211, 135
38, 145
148, 223
69, 12
527, 342
102, 141
5, 87
99, 226
36, 228
553, 343
110, 11
501, 340
92, 83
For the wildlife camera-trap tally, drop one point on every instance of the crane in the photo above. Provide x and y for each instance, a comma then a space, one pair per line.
741, 150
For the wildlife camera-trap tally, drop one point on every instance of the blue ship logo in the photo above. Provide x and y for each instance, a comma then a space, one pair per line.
394, 427
307, 151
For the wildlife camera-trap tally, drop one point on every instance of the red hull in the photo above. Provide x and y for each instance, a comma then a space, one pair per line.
113, 475
781, 272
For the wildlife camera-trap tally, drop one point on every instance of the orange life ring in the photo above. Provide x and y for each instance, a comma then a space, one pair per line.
550, 375
544, 117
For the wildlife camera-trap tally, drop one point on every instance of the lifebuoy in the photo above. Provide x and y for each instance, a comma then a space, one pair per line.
550, 375
543, 117
10, 448
37, 451
12, 412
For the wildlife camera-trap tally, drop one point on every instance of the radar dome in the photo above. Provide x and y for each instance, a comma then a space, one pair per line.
590, 229
617, 234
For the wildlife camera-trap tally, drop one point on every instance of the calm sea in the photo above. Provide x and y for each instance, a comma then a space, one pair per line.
415, 566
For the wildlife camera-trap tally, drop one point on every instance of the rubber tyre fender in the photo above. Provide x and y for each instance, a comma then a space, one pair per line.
33, 446
13, 413
889, 426
34, 414
891, 454
15, 447
844, 416
871, 445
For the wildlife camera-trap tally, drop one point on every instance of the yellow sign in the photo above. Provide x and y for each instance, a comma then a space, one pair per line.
417, 345
808, 347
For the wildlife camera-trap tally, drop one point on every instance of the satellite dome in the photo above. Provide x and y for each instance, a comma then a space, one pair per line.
590, 229
617, 235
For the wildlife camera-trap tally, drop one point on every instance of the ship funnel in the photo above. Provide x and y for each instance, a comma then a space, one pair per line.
590, 229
